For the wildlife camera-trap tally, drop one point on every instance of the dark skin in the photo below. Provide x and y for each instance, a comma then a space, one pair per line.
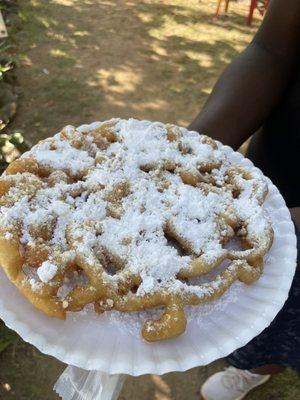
252, 85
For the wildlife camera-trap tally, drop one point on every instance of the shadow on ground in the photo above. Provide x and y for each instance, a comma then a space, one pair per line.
26, 374
86, 60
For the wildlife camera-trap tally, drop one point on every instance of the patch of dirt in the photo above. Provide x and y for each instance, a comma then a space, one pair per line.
27, 374
87, 60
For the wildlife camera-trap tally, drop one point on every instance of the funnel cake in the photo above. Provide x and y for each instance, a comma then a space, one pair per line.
126, 215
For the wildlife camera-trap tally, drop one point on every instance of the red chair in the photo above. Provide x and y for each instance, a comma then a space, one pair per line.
260, 5
219, 7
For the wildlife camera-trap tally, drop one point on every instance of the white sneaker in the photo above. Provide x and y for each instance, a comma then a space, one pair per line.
231, 384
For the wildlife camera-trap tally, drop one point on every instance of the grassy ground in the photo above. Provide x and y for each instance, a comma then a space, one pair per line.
84, 60
26, 374
89, 59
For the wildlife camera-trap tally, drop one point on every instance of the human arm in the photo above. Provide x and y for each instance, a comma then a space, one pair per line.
252, 84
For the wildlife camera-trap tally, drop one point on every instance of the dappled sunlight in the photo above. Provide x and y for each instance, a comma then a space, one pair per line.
163, 390
151, 105
58, 53
204, 60
206, 90
44, 21
123, 80
147, 59
69, 3
81, 33
58, 37
157, 51
26, 61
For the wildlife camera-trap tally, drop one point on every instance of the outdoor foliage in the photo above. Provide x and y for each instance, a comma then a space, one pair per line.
13, 144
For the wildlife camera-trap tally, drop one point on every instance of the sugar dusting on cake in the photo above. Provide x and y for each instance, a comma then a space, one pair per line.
80, 212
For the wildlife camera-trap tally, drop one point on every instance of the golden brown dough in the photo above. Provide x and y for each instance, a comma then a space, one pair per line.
124, 215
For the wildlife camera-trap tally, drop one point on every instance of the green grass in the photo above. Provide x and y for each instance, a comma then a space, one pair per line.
284, 386
7, 337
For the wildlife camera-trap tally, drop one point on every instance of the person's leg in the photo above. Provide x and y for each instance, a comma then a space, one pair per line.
218, 8
253, 364
270, 369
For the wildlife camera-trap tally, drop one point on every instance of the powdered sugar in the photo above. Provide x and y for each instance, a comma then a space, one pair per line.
8, 236
131, 322
35, 284
47, 271
62, 156
123, 204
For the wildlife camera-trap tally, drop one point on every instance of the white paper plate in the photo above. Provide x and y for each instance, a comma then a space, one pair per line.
103, 343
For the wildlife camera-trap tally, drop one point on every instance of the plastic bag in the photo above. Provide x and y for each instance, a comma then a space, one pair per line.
80, 384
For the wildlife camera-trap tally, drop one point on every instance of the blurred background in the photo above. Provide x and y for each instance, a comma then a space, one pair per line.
77, 61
